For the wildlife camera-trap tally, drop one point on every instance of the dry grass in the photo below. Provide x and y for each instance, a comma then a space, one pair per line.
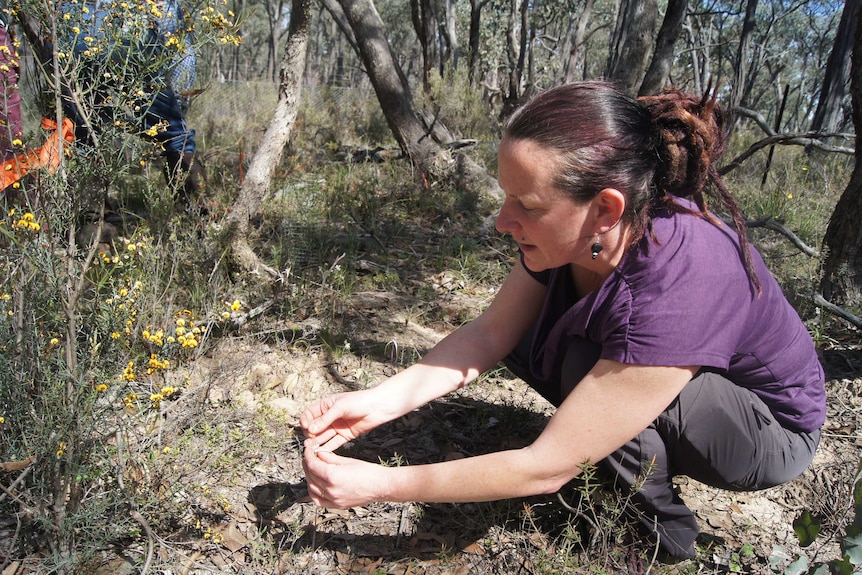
381, 269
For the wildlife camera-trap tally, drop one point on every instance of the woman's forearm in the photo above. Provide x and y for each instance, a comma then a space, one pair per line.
611, 405
453, 363
489, 477
476, 346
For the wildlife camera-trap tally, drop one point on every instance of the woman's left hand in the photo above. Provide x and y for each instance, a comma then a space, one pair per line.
340, 482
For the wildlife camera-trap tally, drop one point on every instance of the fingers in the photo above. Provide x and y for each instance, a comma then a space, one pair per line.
332, 443
329, 440
315, 459
315, 463
315, 484
326, 443
326, 456
321, 438
310, 414
317, 418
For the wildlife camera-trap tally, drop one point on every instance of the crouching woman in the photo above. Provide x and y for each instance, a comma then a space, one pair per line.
654, 328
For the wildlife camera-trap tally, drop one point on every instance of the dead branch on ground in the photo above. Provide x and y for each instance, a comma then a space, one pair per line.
818, 299
805, 139
837, 311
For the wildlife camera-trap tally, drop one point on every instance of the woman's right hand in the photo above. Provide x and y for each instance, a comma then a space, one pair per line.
337, 419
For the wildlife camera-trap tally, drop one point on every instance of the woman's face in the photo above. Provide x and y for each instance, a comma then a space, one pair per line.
550, 228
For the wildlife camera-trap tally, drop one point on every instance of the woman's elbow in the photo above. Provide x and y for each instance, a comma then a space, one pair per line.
553, 484
548, 476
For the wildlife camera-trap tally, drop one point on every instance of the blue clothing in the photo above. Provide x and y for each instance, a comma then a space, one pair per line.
177, 137
166, 105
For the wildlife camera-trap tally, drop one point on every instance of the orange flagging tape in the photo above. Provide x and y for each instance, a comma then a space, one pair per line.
47, 156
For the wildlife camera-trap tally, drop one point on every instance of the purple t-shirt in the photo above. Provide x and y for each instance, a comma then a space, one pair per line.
687, 300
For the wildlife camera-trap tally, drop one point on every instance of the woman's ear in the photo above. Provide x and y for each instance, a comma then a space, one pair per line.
610, 204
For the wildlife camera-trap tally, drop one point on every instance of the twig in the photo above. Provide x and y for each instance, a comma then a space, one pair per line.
771, 224
657, 545
8, 558
9, 491
835, 310
576, 512
150, 537
403, 525
333, 371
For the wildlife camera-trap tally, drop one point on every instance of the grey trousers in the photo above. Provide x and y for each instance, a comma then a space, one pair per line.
715, 431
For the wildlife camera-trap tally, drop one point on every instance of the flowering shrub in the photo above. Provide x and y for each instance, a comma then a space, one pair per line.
90, 350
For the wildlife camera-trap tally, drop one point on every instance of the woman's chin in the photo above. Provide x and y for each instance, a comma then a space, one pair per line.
534, 264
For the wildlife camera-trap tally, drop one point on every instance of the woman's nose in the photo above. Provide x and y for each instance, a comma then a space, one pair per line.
504, 224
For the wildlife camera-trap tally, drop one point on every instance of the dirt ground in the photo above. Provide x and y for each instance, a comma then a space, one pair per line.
259, 520
232, 498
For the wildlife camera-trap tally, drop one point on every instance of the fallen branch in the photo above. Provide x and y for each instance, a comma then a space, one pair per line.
238, 320
837, 311
771, 224
764, 125
333, 371
805, 139
818, 299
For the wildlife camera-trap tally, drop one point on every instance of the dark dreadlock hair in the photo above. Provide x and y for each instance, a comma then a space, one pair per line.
694, 138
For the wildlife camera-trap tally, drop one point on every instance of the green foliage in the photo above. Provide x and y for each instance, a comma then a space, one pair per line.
90, 345
460, 107
807, 529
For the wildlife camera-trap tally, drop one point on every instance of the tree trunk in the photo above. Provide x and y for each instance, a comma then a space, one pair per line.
630, 46
575, 43
516, 53
268, 155
699, 43
424, 24
513, 80
475, 35
829, 113
841, 282
392, 93
396, 102
743, 58
662, 59
450, 33
334, 9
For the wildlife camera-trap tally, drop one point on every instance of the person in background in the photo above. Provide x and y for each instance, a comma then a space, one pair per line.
165, 113
656, 329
